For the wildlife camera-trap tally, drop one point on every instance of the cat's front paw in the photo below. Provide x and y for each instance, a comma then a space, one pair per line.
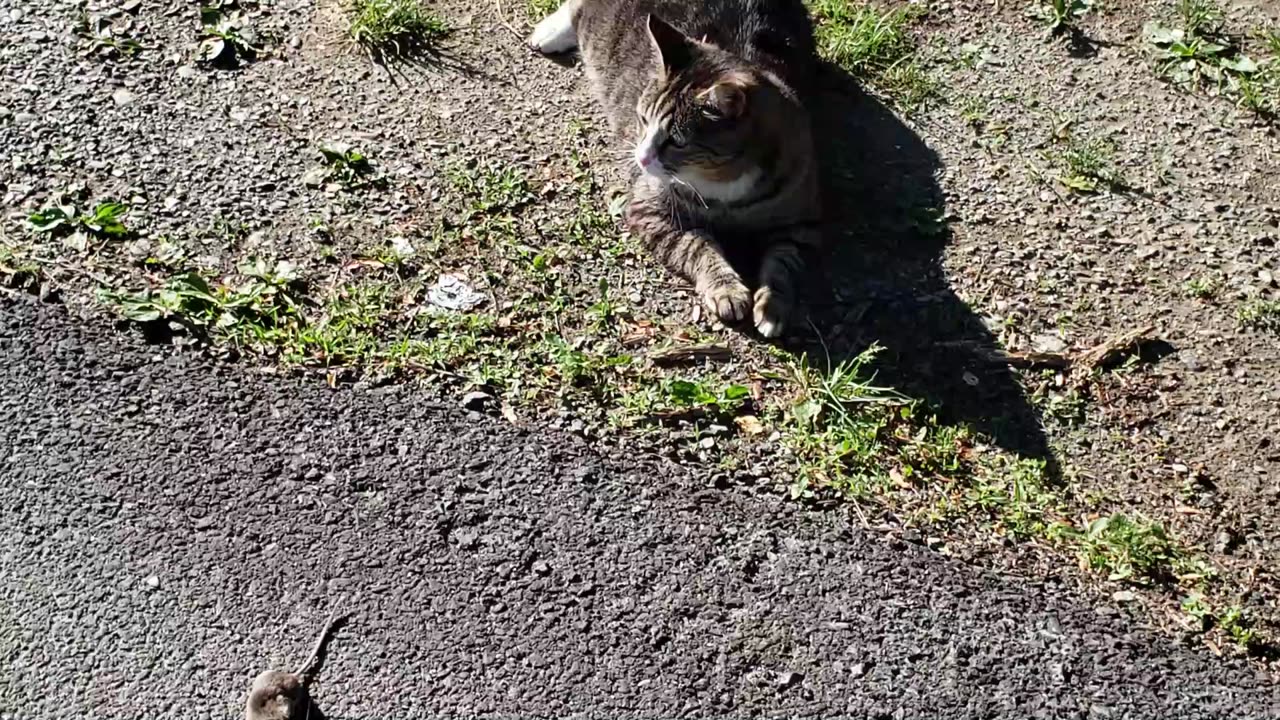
772, 311
731, 303
555, 34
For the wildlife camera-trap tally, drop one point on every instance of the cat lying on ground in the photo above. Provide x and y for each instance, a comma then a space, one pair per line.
708, 92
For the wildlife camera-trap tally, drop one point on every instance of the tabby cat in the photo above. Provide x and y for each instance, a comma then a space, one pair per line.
709, 95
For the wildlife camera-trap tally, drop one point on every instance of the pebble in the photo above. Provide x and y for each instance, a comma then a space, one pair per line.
153, 581
24, 118
123, 97
1124, 596
476, 400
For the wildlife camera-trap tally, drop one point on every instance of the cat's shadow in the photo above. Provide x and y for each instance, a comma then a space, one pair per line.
882, 279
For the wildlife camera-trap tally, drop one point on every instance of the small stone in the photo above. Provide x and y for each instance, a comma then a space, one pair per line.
466, 538
1124, 596
859, 669
315, 177
1190, 361
707, 443
123, 97
476, 400
25, 118
541, 568
1048, 343
789, 678
153, 581
186, 72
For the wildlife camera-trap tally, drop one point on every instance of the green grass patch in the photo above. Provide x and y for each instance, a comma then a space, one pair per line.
1201, 288
855, 437
1085, 165
538, 9
875, 46
1133, 550
395, 29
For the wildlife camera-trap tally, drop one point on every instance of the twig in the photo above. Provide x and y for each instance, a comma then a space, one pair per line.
688, 354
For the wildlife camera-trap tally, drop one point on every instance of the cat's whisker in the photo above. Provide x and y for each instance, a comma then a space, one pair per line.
677, 180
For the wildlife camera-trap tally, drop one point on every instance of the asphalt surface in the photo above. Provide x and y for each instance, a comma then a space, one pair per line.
170, 527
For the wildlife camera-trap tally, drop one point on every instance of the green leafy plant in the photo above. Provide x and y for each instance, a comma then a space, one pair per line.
104, 220
104, 37
689, 394
1129, 549
1260, 314
1197, 52
1060, 16
344, 164
226, 36
392, 29
1201, 288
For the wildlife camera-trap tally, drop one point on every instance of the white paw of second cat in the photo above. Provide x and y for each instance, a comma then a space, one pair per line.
555, 34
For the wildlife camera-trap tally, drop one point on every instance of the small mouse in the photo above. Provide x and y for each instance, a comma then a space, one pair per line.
279, 695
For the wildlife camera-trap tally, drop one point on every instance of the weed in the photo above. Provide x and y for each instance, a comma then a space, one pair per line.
393, 29
227, 37
1131, 550
874, 45
1087, 166
1201, 288
1200, 18
538, 9
1197, 52
1233, 621
1259, 314
490, 190
104, 221
344, 165
17, 270
1014, 493
267, 311
103, 37
1237, 626
841, 426
1060, 16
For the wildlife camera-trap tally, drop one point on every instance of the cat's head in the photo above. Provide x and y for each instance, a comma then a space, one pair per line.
700, 122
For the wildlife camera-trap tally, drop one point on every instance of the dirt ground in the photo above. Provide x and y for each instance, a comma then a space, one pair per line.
955, 239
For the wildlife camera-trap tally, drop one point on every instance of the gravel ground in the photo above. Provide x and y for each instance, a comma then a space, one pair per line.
213, 163
173, 527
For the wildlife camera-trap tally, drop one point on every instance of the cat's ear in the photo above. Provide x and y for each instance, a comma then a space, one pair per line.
673, 47
726, 99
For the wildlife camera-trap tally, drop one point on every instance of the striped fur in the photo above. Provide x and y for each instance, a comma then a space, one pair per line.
707, 94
